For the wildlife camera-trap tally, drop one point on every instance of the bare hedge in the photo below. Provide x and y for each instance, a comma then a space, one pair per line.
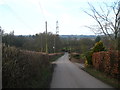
108, 62
24, 69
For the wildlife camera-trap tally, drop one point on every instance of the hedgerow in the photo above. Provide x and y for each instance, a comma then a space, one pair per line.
25, 69
97, 47
108, 62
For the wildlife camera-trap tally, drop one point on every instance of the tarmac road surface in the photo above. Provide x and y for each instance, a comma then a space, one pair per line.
68, 75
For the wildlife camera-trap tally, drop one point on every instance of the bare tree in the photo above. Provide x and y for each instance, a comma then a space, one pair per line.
107, 18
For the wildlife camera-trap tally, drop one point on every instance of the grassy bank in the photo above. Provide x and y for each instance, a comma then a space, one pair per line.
54, 56
103, 77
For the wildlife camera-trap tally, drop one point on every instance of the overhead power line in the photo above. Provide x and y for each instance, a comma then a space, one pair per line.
42, 11
17, 16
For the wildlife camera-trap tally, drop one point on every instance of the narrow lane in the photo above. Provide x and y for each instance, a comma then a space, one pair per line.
68, 75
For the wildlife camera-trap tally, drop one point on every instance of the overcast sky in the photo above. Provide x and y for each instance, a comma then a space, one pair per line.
27, 17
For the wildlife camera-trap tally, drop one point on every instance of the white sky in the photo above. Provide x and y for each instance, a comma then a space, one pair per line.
27, 17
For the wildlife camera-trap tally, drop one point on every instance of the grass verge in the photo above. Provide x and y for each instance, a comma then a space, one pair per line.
55, 57
103, 77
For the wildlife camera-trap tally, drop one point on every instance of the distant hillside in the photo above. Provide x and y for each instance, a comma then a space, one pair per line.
66, 36
78, 36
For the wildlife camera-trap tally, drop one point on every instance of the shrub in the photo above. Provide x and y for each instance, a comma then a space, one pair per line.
98, 47
89, 57
86, 63
82, 56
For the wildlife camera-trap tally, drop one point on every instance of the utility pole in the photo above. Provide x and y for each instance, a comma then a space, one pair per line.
46, 37
41, 42
54, 43
57, 28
